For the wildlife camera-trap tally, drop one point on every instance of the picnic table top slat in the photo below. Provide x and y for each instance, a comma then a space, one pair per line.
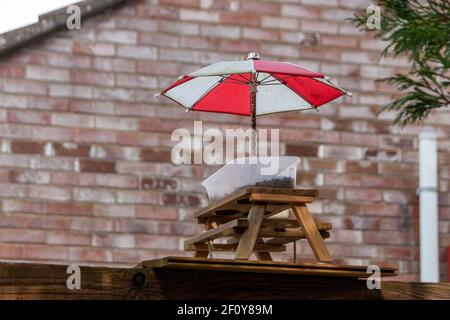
231, 202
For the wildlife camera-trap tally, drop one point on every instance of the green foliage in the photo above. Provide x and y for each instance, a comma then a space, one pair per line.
421, 31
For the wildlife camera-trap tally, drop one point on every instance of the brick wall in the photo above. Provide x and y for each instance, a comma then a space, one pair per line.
85, 171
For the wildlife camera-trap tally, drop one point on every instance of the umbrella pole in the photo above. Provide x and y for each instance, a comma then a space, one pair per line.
253, 91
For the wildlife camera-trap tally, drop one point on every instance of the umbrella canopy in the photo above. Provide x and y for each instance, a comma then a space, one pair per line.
252, 87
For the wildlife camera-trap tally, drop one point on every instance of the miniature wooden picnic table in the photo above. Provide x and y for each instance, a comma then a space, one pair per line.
245, 218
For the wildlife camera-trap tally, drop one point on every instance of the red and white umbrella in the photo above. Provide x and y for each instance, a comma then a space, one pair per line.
252, 87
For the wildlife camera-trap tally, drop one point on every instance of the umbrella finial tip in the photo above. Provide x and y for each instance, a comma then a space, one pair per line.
349, 94
253, 56
158, 94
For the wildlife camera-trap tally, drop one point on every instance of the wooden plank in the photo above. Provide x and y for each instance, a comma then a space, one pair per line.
392, 290
269, 233
280, 270
268, 266
216, 232
268, 230
46, 281
272, 222
209, 210
264, 256
279, 198
284, 240
280, 223
278, 237
234, 240
237, 227
284, 191
273, 209
224, 247
248, 238
161, 280
244, 194
201, 254
235, 211
26, 281
312, 233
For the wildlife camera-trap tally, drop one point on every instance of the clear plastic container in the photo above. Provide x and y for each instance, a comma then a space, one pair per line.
279, 172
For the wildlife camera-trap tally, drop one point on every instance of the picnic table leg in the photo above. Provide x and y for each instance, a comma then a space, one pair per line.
250, 235
263, 256
312, 233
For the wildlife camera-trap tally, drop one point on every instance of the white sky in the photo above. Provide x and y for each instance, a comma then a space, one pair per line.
18, 13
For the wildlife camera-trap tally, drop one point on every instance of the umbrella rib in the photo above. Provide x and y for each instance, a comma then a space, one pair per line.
228, 78
207, 91
246, 80
271, 84
229, 82
283, 111
174, 100
310, 108
280, 80
298, 93
329, 83
261, 81
270, 81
